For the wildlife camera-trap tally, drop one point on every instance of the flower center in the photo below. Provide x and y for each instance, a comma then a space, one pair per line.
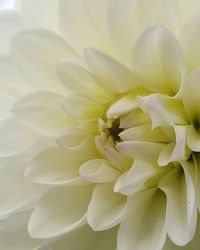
115, 130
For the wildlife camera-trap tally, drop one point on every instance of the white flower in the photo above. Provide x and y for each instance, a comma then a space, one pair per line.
99, 126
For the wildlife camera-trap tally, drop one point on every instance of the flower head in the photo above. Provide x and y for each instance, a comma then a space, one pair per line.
100, 125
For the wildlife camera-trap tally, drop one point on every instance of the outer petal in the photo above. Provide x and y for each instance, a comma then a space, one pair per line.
83, 23
144, 225
158, 60
36, 52
78, 80
14, 234
42, 112
132, 16
55, 166
106, 208
178, 220
60, 211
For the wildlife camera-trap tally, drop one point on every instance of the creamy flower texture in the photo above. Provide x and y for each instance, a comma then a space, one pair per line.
100, 125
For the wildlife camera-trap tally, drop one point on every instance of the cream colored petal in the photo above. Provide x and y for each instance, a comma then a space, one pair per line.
193, 139
178, 220
82, 108
16, 192
10, 23
144, 224
190, 42
132, 16
108, 70
158, 60
56, 166
144, 151
60, 211
42, 111
188, 9
81, 22
106, 208
144, 133
98, 171
39, 13
175, 150
15, 137
163, 111
123, 106
133, 180
79, 80
36, 52
14, 234
87, 239
190, 96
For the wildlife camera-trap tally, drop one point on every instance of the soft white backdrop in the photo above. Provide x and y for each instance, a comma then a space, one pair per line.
6, 4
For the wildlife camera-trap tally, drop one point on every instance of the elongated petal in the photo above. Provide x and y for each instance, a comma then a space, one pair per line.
78, 80
60, 211
14, 234
55, 166
110, 71
36, 52
178, 222
99, 171
132, 16
133, 180
158, 60
106, 208
144, 224
190, 41
42, 112
144, 151
82, 108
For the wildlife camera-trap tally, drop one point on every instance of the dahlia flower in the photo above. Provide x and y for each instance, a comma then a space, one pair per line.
100, 125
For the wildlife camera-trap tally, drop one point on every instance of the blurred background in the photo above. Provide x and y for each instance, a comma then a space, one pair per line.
6, 4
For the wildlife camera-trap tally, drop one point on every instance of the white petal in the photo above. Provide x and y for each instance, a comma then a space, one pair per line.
190, 96
99, 171
190, 42
87, 239
188, 9
144, 151
15, 137
60, 211
175, 150
123, 106
133, 180
162, 110
79, 21
55, 166
158, 60
193, 139
16, 192
10, 23
144, 224
36, 52
82, 108
39, 13
14, 234
132, 16
42, 111
112, 74
78, 80
178, 223
106, 208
